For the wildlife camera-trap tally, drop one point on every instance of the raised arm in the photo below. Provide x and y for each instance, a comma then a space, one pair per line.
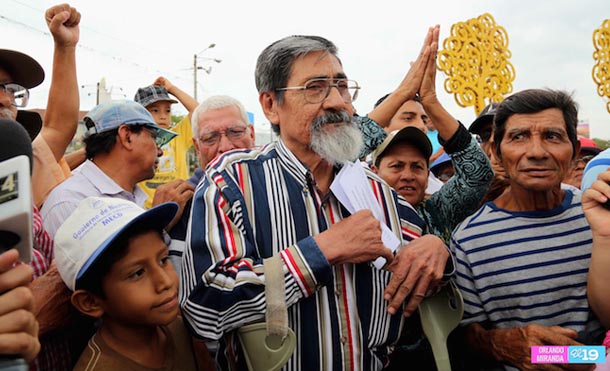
61, 116
446, 124
185, 99
597, 215
408, 87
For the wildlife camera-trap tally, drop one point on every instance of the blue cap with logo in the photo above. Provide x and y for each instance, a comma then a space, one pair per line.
112, 114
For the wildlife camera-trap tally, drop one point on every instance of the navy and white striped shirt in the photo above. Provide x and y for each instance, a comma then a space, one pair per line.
520, 268
253, 204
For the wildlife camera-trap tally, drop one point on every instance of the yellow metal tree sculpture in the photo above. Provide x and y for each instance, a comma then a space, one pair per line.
476, 60
601, 55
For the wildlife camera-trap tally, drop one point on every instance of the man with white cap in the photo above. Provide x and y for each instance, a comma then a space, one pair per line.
122, 144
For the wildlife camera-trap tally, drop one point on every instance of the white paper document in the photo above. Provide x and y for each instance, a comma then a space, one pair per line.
353, 190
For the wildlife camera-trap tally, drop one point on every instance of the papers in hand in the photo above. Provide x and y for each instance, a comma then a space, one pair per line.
353, 190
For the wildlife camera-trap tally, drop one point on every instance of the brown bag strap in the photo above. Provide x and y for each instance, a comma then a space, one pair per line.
276, 314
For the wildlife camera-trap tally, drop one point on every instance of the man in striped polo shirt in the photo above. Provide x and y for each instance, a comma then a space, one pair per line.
276, 201
523, 258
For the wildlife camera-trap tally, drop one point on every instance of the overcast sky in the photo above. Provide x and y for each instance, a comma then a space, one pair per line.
130, 43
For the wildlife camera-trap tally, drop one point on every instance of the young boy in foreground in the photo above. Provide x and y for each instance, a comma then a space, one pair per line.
112, 255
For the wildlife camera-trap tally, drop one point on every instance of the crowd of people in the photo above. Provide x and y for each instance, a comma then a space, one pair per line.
137, 264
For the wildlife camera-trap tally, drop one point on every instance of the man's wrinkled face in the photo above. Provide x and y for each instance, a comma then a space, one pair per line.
7, 109
148, 152
221, 130
297, 117
535, 150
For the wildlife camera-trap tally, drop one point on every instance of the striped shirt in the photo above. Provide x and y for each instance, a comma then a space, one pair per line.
520, 268
253, 204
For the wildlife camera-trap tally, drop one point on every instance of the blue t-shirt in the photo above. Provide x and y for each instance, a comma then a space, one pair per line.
433, 136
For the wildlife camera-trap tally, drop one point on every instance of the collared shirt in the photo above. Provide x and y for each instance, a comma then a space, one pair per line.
178, 231
43, 251
252, 204
86, 181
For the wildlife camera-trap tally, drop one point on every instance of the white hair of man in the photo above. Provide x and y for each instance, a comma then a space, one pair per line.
336, 137
216, 102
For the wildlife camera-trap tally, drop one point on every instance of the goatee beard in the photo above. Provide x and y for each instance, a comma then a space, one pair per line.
336, 137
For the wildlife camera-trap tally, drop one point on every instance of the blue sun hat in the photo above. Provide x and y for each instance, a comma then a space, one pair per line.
112, 114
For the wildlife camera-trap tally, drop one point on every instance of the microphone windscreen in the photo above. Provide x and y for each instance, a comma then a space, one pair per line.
14, 141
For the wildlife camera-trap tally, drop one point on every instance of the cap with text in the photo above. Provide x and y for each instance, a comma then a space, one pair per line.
94, 225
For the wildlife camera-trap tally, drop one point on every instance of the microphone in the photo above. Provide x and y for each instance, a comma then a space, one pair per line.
15, 204
15, 189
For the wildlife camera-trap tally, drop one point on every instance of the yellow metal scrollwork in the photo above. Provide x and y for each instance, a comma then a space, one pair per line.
601, 55
476, 60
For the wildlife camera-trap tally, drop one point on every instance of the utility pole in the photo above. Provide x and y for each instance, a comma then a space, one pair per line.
196, 67
195, 76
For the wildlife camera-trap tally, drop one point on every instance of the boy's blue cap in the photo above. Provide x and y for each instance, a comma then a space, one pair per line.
442, 159
95, 224
112, 114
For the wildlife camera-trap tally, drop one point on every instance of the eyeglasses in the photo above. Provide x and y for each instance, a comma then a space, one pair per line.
155, 135
18, 94
317, 90
234, 133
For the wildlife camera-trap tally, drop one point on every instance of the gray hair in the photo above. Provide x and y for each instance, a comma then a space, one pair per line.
217, 102
274, 64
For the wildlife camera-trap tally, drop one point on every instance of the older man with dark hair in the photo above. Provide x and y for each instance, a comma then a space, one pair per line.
523, 258
275, 203
122, 144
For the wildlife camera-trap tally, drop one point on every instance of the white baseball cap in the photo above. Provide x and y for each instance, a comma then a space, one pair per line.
94, 225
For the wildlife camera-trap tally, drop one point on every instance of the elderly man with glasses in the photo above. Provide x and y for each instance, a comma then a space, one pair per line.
274, 204
220, 124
